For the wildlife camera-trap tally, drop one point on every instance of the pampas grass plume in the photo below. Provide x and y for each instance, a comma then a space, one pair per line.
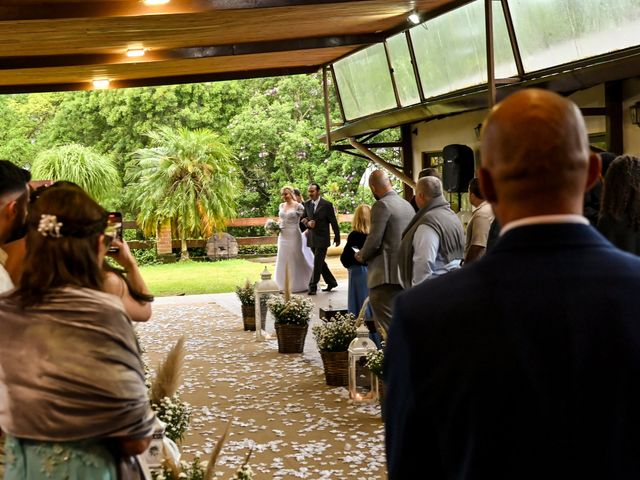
167, 379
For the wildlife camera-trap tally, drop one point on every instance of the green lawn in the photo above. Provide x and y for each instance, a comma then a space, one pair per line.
201, 277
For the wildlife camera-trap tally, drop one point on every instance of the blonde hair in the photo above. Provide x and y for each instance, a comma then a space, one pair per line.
362, 219
287, 187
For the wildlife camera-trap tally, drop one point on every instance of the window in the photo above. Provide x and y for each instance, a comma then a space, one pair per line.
553, 32
451, 49
405, 78
364, 82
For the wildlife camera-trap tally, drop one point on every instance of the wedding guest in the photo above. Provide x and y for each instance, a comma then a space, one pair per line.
523, 365
127, 284
479, 225
73, 399
306, 250
358, 290
14, 201
619, 219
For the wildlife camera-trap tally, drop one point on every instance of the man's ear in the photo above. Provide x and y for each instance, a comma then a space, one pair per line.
486, 185
594, 171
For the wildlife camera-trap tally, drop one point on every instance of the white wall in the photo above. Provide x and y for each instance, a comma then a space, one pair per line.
436, 134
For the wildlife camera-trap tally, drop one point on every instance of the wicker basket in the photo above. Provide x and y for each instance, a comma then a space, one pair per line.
291, 337
249, 316
336, 368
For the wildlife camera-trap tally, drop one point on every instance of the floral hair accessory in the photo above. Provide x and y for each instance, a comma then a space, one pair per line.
49, 226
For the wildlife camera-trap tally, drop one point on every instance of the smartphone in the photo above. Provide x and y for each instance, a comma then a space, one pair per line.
114, 222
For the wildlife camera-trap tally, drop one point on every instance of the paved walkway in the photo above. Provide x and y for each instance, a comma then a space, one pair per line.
296, 425
335, 299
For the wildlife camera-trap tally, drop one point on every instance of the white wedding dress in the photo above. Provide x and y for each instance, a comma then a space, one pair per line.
290, 251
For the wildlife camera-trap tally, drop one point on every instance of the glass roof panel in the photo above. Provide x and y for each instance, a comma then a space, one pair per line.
364, 82
403, 69
554, 32
451, 49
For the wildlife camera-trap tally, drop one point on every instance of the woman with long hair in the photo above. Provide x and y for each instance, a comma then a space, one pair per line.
290, 255
619, 218
358, 290
73, 400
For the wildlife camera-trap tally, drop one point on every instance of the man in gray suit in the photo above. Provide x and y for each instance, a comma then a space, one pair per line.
390, 215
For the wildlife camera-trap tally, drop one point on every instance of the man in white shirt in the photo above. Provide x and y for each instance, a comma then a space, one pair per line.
479, 224
14, 200
433, 242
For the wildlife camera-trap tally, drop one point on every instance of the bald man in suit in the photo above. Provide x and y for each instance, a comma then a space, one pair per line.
524, 364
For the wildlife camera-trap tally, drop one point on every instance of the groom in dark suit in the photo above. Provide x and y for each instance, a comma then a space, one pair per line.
319, 214
526, 363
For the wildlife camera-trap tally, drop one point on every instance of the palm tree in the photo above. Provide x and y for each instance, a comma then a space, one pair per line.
96, 173
187, 177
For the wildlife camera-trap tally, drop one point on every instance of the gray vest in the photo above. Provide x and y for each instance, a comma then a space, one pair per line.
439, 216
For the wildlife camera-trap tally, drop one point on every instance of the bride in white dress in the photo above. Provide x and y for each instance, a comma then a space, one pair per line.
290, 253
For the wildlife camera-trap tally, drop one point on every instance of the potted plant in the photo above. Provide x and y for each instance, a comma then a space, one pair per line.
333, 338
247, 299
292, 314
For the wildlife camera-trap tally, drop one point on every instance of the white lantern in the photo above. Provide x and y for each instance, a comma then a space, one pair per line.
363, 384
263, 288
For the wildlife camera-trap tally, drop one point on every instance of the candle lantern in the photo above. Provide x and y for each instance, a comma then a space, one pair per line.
363, 384
263, 289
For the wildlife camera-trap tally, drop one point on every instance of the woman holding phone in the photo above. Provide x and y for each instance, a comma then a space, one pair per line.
73, 388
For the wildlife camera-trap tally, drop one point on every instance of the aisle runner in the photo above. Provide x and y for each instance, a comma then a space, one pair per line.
280, 405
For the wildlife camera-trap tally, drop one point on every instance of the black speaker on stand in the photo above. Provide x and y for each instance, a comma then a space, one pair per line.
458, 168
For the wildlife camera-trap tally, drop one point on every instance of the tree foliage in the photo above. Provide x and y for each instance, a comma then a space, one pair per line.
94, 172
187, 177
272, 125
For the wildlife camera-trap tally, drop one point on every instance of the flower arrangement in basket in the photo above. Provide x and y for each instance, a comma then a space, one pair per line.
292, 314
246, 294
333, 338
271, 227
296, 310
336, 334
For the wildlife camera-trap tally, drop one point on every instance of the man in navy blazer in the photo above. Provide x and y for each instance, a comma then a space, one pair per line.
526, 363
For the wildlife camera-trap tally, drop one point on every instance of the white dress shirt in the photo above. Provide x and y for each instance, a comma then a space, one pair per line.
427, 263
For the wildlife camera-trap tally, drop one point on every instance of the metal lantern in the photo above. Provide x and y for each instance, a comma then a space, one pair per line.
363, 384
263, 288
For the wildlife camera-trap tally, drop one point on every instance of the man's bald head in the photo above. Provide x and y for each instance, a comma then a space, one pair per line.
535, 155
379, 183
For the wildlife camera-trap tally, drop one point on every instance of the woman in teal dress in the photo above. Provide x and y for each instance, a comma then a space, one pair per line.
73, 402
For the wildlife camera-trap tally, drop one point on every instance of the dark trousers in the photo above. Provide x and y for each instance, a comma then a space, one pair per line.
320, 267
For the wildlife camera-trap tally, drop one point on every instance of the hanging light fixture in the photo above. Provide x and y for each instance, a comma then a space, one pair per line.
135, 52
101, 83
153, 3
414, 18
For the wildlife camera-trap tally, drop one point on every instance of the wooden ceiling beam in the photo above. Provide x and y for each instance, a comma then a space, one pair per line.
158, 81
44, 61
12, 10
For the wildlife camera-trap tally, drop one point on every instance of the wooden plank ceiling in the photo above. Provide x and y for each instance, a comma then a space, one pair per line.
48, 45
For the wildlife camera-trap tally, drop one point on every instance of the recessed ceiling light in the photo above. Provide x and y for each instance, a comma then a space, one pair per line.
414, 18
135, 52
155, 2
101, 84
